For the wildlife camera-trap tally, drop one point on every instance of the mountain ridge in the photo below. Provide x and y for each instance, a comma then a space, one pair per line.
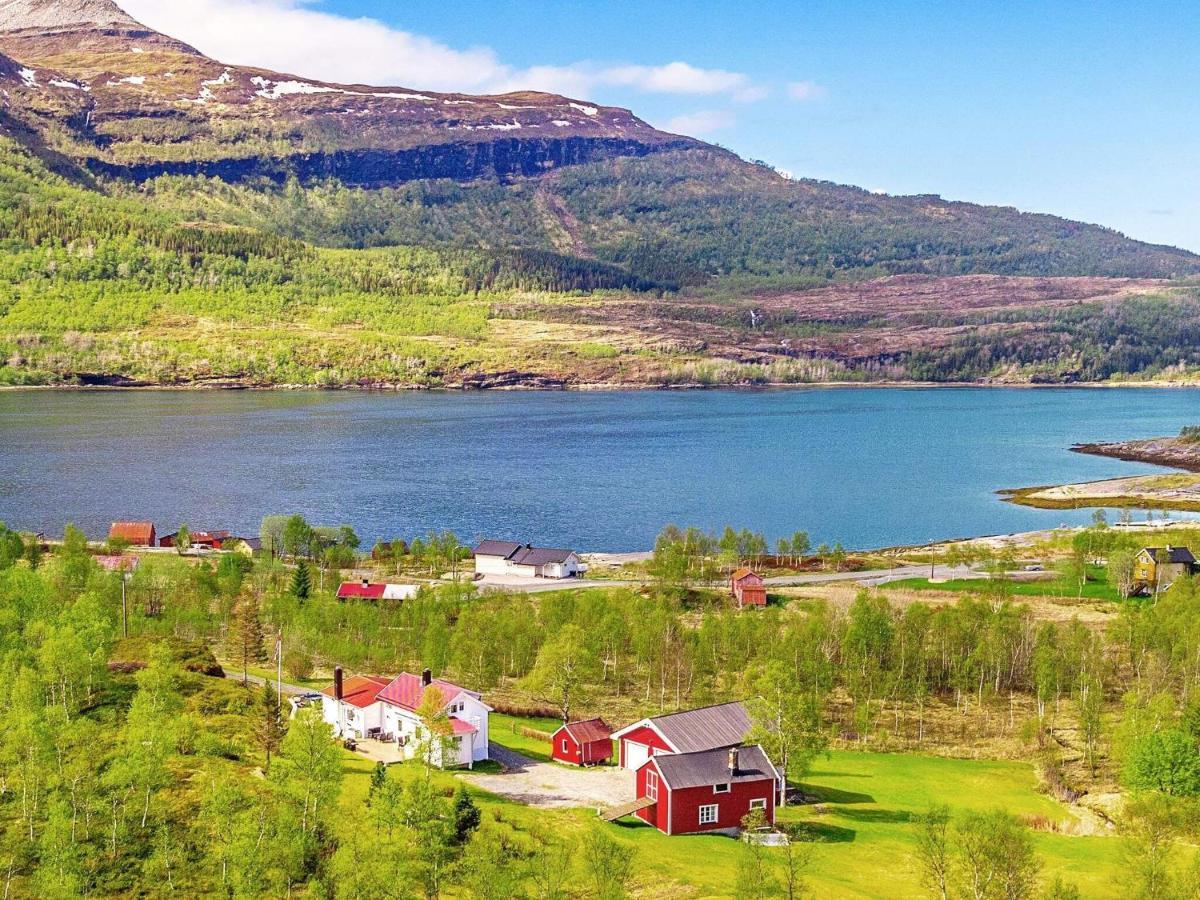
168, 219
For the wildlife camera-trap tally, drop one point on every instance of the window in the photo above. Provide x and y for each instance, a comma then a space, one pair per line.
565, 750
760, 803
721, 788
708, 814
652, 786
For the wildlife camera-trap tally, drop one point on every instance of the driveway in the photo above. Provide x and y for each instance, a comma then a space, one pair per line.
553, 786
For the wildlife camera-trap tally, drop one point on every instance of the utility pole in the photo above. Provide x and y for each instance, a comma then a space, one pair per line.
279, 667
124, 605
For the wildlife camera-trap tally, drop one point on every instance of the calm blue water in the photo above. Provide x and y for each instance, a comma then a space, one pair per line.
596, 471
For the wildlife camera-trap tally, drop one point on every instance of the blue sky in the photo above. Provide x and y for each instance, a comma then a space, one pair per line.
1087, 110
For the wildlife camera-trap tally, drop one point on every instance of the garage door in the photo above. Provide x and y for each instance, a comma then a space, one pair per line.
635, 755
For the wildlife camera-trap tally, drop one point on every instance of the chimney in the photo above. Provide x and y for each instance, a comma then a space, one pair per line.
426, 678
733, 761
337, 682
366, 582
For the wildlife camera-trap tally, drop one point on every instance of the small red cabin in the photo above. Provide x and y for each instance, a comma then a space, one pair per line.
582, 743
747, 588
136, 534
712, 790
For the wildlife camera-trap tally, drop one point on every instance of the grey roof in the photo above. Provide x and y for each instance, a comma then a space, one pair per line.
502, 549
723, 725
1178, 555
540, 556
522, 554
689, 770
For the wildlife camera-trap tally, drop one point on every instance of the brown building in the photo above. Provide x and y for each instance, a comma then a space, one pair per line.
747, 588
138, 534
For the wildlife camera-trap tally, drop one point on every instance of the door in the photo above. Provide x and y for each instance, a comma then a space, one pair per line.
635, 755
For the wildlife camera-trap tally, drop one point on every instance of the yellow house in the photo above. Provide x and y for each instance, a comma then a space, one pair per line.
1157, 568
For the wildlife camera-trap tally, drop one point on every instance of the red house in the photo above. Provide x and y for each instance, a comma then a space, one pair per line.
137, 534
707, 728
747, 588
582, 743
210, 539
711, 790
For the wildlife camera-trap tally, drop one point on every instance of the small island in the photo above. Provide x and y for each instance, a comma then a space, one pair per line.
1175, 491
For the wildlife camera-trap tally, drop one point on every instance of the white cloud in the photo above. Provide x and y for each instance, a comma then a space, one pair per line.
803, 91
703, 122
288, 36
683, 78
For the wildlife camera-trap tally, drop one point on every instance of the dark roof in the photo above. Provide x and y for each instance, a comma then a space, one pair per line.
689, 770
588, 731
1177, 555
722, 725
503, 549
540, 556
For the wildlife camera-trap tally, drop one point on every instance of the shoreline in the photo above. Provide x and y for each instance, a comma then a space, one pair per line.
601, 387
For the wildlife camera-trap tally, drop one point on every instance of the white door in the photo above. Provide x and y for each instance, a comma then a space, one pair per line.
635, 755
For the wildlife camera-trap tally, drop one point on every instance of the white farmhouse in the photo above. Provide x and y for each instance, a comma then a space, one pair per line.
366, 706
526, 561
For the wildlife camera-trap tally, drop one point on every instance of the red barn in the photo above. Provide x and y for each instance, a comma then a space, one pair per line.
747, 588
723, 725
582, 743
137, 534
711, 790
210, 539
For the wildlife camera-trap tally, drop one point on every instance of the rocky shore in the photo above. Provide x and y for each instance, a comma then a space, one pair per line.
1175, 452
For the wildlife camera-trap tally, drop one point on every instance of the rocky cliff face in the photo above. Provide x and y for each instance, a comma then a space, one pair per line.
124, 100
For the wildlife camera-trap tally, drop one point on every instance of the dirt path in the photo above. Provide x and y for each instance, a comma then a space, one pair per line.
551, 786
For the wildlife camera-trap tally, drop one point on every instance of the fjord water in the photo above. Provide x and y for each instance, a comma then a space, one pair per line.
596, 471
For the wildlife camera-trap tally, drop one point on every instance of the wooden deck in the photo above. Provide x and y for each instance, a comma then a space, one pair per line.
625, 809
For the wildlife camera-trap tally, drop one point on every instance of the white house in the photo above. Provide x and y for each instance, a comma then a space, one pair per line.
353, 707
371, 707
526, 561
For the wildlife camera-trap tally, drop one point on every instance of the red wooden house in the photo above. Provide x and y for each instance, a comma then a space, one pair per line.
211, 540
582, 743
722, 725
710, 790
136, 534
747, 588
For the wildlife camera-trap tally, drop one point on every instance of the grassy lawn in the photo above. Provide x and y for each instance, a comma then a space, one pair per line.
1097, 588
863, 840
502, 730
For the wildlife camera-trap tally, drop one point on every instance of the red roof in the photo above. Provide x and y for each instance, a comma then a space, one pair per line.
461, 727
745, 573
406, 690
357, 589
140, 533
359, 690
589, 731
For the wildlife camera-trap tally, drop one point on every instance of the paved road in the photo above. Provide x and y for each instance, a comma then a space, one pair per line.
553, 786
875, 576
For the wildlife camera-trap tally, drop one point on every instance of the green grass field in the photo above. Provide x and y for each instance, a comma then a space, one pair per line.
502, 730
863, 837
1097, 588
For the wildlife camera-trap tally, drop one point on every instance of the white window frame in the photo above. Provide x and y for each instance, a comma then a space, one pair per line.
722, 788
565, 749
710, 813
652, 785
760, 803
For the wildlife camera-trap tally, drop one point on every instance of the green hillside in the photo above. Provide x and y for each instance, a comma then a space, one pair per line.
686, 217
